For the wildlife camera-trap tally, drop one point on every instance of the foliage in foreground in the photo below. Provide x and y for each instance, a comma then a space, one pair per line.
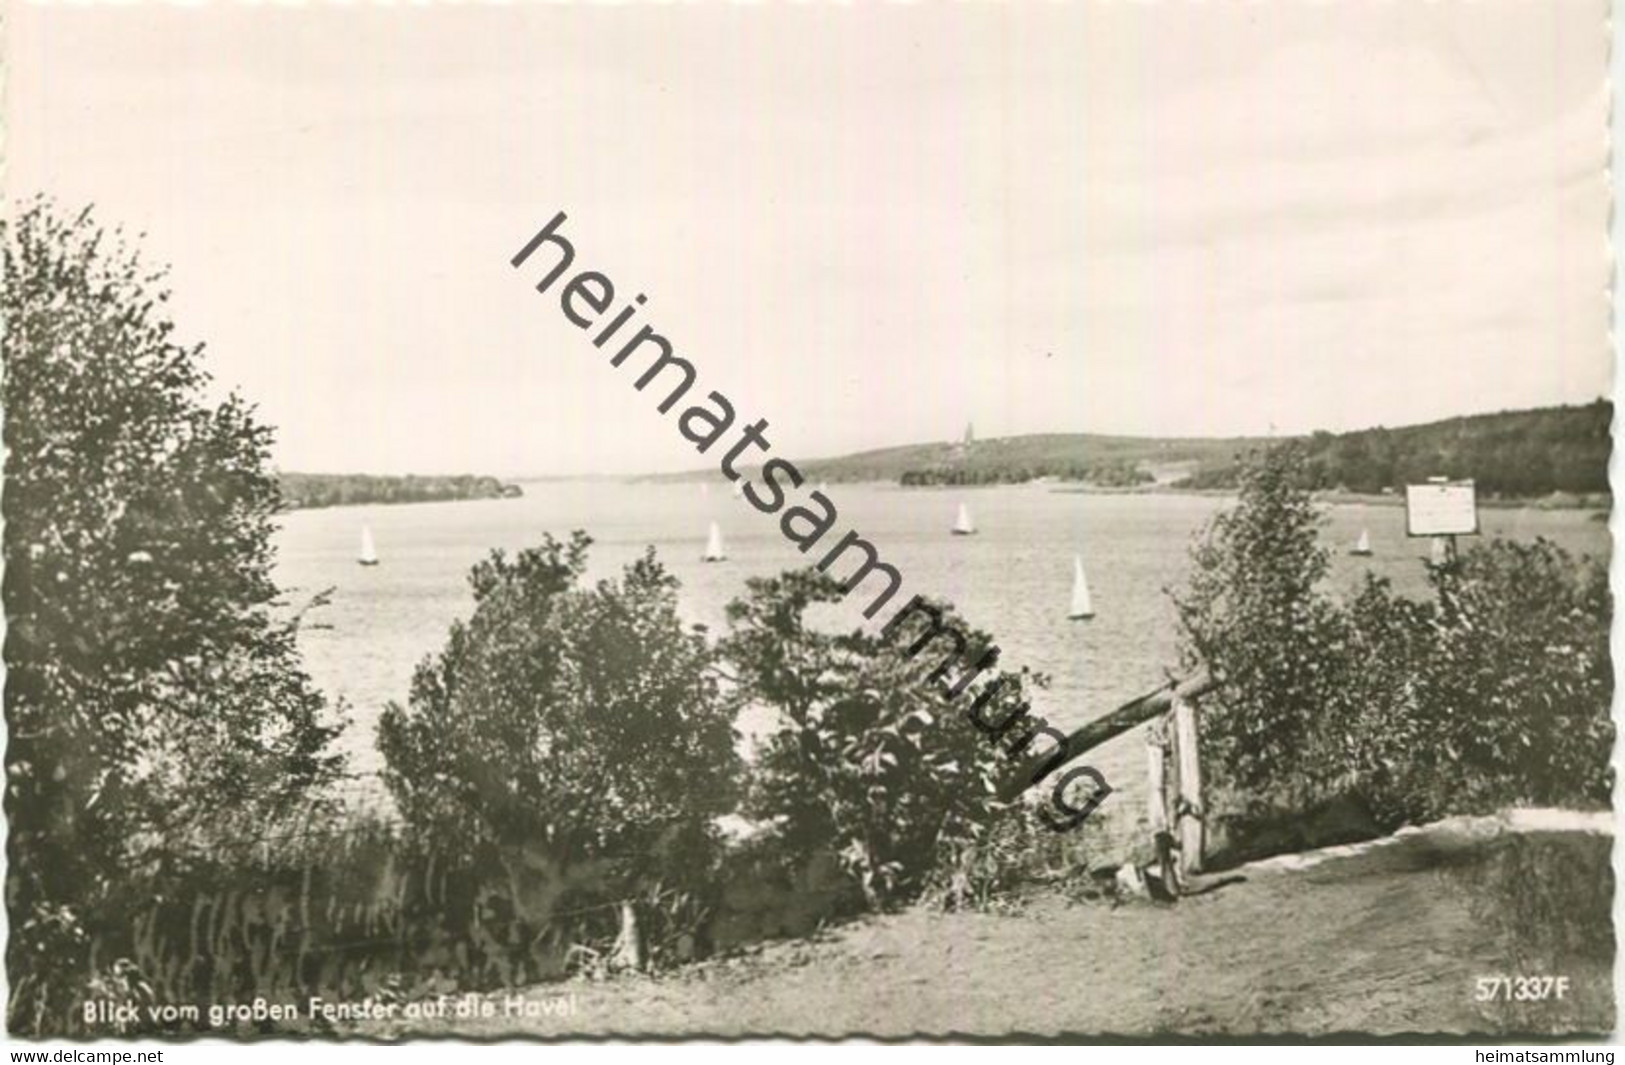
154, 697
559, 765
868, 761
582, 730
1493, 692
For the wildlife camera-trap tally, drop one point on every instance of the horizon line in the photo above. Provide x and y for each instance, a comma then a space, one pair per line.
698, 471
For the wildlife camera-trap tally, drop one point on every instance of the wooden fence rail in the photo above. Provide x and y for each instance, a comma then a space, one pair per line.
1174, 771
1135, 712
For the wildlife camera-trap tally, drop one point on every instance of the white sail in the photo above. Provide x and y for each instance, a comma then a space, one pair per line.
713, 546
963, 525
1081, 606
369, 553
1363, 545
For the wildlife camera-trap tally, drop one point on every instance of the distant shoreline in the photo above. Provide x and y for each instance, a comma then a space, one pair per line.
321, 491
1602, 502
1552, 501
1553, 456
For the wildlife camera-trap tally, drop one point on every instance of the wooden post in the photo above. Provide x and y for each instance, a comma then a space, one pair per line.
1104, 728
1157, 743
1189, 814
629, 943
1156, 751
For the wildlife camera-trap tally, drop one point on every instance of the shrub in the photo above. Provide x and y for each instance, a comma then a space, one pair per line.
1255, 614
1495, 692
867, 761
580, 731
328, 903
147, 667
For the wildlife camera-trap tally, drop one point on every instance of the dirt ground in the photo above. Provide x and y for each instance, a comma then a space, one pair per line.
1383, 941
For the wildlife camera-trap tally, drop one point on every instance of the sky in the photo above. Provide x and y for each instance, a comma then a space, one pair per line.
869, 224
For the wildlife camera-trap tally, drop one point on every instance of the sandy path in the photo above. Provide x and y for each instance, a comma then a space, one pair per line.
1383, 941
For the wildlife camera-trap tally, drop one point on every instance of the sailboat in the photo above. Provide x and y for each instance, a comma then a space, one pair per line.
1082, 608
713, 546
963, 526
1362, 546
369, 553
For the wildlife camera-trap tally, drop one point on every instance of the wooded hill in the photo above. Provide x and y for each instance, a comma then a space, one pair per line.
1510, 453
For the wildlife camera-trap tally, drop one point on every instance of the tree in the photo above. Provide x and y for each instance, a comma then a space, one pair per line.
575, 726
1253, 612
868, 760
146, 666
1493, 692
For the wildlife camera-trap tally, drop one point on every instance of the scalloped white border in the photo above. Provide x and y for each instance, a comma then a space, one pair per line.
1513, 821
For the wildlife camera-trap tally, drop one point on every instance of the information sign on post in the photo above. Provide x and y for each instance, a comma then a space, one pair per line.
1441, 508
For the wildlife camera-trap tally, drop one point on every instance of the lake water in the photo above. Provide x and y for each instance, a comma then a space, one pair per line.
1013, 579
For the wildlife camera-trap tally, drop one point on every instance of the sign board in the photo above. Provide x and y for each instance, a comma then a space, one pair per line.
1441, 509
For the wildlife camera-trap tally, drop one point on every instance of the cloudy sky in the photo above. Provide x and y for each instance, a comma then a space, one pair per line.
868, 224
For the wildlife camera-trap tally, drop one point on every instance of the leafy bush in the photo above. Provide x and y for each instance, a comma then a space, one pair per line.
1253, 612
328, 903
1013, 857
582, 729
1494, 692
867, 761
47, 967
147, 667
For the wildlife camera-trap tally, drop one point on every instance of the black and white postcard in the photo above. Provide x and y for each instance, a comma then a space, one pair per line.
1063, 521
